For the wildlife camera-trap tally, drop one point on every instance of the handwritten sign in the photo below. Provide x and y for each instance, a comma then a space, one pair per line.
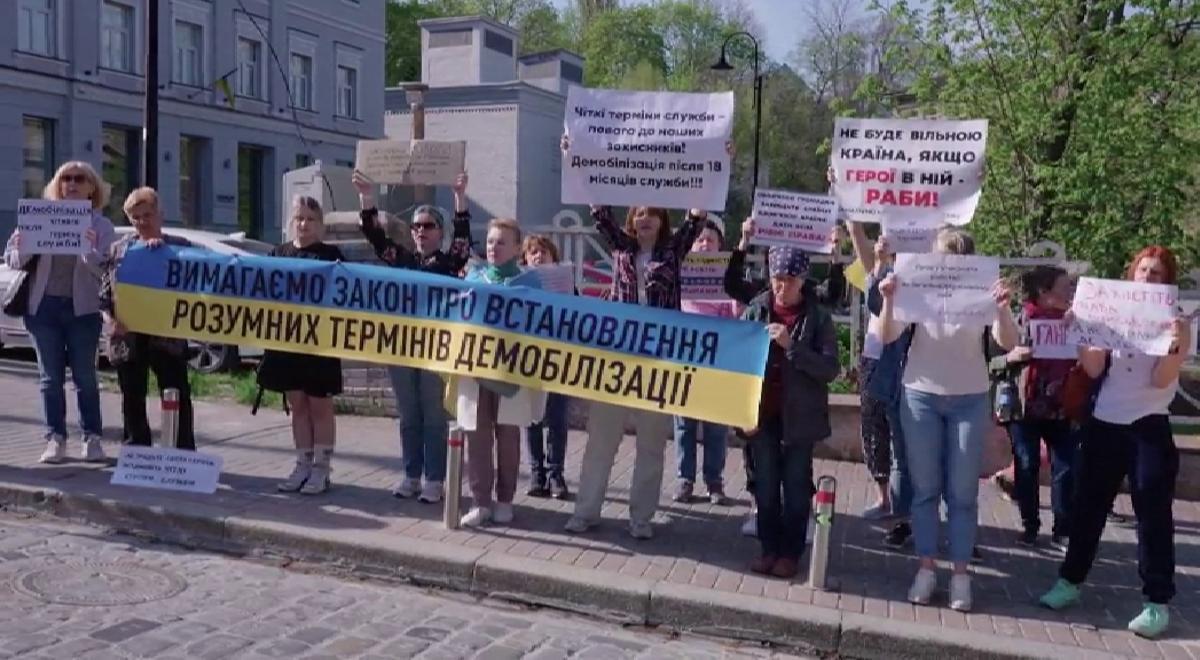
662, 149
794, 219
702, 276
1121, 315
946, 288
916, 240
54, 226
411, 162
911, 171
167, 469
1048, 339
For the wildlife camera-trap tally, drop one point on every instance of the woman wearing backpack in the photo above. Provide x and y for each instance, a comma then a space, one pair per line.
945, 417
1129, 435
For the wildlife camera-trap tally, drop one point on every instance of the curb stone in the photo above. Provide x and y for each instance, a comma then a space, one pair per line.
376, 553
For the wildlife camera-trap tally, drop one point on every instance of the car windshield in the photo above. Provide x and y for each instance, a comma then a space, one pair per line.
249, 245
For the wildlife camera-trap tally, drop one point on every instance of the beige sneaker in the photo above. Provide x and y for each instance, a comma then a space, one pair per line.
92, 450
318, 481
56, 450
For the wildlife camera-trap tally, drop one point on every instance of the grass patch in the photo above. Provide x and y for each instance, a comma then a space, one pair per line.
237, 386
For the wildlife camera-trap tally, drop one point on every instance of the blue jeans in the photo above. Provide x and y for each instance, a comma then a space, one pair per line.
899, 482
62, 339
944, 437
424, 423
547, 440
783, 492
712, 437
1027, 436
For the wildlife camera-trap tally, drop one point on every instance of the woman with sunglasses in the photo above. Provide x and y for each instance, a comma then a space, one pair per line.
63, 313
419, 393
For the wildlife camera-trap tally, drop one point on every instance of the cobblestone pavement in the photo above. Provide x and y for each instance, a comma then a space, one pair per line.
143, 600
874, 581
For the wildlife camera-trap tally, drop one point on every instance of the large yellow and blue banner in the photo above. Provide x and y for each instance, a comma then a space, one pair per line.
705, 368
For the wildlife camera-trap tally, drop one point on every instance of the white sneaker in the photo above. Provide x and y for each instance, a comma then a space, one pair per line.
295, 480
93, 450
642, 531
476, 517
960, 592
408, 487
56, 450
750, 527
922, 587
503, 513
578, 525
432, 492
318, 481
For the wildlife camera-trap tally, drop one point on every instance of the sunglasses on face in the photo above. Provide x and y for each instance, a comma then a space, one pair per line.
74, 178
427, 226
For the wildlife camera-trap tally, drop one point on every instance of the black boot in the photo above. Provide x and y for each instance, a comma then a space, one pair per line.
558, 487
537, 485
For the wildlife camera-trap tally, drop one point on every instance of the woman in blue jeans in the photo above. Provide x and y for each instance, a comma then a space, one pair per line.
945, 415
64, 314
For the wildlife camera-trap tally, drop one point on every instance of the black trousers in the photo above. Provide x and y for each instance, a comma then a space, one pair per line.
783, 492
1145, 453
133, 376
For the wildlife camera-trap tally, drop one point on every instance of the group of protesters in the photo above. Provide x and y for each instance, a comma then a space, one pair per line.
926, 409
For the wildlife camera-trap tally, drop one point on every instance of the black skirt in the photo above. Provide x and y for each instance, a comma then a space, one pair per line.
312, 374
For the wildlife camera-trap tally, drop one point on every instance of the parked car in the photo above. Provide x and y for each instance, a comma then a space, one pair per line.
205, 357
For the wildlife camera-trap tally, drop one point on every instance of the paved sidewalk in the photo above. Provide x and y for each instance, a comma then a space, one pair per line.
693, 574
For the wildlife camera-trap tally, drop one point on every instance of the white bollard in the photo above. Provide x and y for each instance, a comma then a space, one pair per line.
168, 434
454, 462
818, 570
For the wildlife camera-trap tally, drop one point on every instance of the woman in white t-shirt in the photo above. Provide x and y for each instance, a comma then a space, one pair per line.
945, 417
1129, 436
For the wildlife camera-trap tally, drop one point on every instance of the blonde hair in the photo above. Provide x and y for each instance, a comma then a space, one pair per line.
952, 240
539, 241
137, 196
508, 224
311, 204
100, 189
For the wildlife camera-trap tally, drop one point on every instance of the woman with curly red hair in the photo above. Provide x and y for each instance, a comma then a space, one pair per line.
1129, 436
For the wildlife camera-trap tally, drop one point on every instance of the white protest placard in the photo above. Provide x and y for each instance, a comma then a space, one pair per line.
1048, 339
54, 226
663, 149
946, 288
1121, 315
783, 217
557, 278
1191, 308
702, 276
167, 469
410, 162
917, 240
916, 171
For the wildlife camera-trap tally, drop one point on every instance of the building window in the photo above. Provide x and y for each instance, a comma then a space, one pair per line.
116, 37
497, 42
38, 160
449, 38
250, 68
347, 92
303, 160
37, 27
301, 81
188, 65
191, 163
122, 150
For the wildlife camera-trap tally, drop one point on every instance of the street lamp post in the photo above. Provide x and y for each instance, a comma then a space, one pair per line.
724, 65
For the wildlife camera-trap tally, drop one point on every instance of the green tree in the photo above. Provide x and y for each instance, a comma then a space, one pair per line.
541, 29
402, 45
617, 42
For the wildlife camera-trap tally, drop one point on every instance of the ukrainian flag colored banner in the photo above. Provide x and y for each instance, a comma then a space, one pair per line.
686, 364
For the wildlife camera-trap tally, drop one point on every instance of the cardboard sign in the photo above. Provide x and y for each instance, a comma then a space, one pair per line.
946, 288
1048, 339
793, 219
54, 226
702, 276
663, 149
1121, 315
411, 162
908, 171
167, 469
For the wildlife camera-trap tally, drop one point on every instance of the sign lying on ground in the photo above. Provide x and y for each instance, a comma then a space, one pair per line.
167, 469
782, 217
946, 288
908, 171
54, 226
664, 149
411, 162
1123, 315
642, 357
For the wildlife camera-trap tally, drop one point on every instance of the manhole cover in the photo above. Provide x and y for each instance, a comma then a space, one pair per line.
99, 583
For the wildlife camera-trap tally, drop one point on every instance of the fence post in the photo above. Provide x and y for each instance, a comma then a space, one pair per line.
168, 435
823, 512
454, 445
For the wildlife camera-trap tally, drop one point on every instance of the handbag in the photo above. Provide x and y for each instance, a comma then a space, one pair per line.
272, 374
16, 296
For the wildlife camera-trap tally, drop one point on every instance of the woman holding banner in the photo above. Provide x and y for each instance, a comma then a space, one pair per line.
1129, 436
62, 313
420, 393
494, 412
308, 381
945, 415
